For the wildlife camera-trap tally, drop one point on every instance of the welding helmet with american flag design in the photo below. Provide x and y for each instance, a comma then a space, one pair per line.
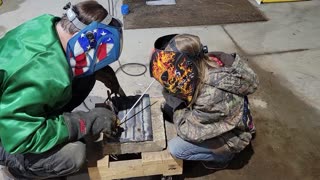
95, 46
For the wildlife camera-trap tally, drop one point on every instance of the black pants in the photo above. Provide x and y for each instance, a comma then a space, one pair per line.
61, 160
167, 112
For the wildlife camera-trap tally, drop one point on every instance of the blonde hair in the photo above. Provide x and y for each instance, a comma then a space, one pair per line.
191, 45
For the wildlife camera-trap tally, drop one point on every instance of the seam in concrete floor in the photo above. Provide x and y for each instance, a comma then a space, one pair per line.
243, 52
277, 52
238, 47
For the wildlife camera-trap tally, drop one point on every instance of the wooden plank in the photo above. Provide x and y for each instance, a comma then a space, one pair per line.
117, 169
151, 157
128, 168
172, 166
103, 162
151, 163
99, 172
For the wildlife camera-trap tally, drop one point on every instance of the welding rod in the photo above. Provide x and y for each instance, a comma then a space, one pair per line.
138, 112
138, 100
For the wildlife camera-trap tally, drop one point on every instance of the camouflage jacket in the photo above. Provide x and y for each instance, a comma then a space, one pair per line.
216, 115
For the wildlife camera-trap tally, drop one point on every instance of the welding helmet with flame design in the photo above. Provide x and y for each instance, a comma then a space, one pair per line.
176, 71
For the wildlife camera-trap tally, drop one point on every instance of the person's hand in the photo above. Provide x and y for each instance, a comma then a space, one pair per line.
174, 102
82, 124
111, 107
108, 77
108, 105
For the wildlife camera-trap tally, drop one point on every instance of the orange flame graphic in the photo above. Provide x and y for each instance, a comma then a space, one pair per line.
179, 77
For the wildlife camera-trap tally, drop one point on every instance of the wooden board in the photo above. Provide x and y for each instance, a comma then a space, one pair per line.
150, 163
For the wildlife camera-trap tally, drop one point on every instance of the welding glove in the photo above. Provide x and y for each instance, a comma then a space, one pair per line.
83, 124
174, 102
108, 77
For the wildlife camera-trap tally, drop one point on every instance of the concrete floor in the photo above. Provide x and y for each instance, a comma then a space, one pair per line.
285, 53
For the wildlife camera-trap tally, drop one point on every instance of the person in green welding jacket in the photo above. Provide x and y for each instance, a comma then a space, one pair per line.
205, 97
48, 66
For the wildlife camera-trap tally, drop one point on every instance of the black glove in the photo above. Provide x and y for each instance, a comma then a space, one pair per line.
108, 77
173, 101
82, 124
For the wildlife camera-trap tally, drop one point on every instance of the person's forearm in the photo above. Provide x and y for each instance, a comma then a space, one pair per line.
32, 134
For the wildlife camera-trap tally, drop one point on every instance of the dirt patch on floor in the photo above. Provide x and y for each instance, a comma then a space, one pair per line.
190, 13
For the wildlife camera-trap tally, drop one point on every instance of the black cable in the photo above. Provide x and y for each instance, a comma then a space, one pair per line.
109, 7
111, 10
112, 6
130, 64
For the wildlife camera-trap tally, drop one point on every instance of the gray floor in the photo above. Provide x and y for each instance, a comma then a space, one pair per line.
284, 51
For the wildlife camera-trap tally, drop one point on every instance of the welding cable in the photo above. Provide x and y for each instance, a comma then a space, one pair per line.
109, 8
112, 10
121, 66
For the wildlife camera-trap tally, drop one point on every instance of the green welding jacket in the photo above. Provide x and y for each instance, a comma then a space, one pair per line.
35, 82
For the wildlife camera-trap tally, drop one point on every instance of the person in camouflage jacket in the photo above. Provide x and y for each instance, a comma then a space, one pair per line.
217, 122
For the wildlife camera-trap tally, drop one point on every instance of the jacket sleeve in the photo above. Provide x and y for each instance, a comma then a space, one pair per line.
197, 126
34, 84
25, 123
23, 133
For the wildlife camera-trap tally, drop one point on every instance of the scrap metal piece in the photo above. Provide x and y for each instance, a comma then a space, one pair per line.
137, 126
